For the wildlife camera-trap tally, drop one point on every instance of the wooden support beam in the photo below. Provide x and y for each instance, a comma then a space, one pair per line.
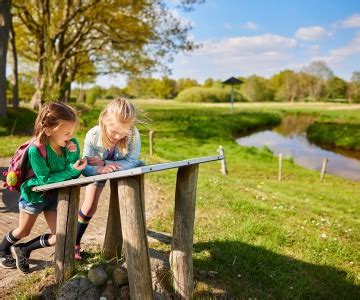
67, 212
113, 237
134, 237
182, 244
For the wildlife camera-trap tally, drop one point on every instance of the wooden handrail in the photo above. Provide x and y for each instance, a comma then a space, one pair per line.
128, 173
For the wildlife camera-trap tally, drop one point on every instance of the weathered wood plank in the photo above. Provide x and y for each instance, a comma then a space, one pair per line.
182, 243
113, 237
134, 237
66, 232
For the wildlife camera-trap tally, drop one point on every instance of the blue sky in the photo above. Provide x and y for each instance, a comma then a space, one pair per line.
242, 38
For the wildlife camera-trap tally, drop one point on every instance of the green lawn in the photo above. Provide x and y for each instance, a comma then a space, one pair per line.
298, 238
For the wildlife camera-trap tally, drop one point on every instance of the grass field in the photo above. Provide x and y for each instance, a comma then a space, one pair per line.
298, 238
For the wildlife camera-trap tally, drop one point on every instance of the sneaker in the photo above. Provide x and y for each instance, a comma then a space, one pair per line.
78, 252
22, 258
7, 261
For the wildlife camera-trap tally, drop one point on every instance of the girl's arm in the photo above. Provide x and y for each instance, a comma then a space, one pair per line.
43, 174
89, 152
131, 160
72, 157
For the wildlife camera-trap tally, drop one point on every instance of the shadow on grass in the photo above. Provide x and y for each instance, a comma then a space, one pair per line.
249, 271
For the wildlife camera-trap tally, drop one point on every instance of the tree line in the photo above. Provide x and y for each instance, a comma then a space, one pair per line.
67, 41
315, 82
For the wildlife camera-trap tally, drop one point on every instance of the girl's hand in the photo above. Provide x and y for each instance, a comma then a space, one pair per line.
80, 164
95, 161
108, 169
70, 146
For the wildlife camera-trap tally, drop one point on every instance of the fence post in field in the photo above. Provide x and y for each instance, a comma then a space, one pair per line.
151, 142
113, 237
67, 211
223, 161
182, 244
323, 168
280, 166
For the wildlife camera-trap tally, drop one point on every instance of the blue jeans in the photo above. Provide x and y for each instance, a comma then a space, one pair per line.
50, 201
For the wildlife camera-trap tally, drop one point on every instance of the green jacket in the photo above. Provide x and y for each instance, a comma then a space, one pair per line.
54, 169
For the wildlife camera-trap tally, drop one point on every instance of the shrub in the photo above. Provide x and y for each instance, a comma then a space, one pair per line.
202, 94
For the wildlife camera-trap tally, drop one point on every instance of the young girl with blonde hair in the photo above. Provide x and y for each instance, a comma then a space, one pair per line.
112, 145
54, 128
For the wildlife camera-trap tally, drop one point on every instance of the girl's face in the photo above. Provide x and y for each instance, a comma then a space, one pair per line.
61, 134
116, 134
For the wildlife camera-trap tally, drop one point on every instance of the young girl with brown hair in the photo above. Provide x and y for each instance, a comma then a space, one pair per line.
54, 128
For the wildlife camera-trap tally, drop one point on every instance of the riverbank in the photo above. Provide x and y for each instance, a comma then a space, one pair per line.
341, 135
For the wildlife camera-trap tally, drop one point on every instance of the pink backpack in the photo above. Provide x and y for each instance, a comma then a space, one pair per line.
18, 172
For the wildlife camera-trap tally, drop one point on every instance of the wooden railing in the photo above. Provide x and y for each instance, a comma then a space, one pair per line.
126, 224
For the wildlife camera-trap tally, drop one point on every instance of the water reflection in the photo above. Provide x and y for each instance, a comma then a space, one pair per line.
290, 139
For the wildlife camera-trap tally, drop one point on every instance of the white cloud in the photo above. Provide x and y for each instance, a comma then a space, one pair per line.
311, 33
351, 22
246, 45
243, 55
339, 54
228, 26
250, 25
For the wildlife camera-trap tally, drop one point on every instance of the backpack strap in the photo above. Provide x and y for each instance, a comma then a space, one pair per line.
40, 148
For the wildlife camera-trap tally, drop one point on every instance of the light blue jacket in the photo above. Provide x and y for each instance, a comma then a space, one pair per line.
93, 147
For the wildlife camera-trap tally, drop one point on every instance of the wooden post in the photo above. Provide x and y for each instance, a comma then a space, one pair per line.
182, 244
135, 238
221, 151
113, 237
151, 142
323, 169
67, 212
280, 166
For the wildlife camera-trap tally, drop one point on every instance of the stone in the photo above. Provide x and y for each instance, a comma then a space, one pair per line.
109, 292
125, 292
120, 277
110, 270
160, 275
79, 288
97, 276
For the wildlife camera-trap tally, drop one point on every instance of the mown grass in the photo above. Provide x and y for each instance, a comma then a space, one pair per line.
298, 238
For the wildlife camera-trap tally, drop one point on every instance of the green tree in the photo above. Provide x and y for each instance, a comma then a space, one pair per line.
209, 82
140, 87
335, 88
113, 92
127, 37
164, 88
353, 91
257, 88
185, 83
287, 85
95, 93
